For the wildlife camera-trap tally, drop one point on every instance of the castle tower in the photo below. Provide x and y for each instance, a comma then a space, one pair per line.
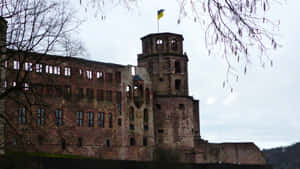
164, 59
176, 114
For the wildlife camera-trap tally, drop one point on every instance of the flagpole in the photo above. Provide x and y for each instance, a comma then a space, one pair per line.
157, 25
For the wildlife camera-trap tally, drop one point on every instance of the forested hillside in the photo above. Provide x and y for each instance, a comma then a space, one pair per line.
284, 157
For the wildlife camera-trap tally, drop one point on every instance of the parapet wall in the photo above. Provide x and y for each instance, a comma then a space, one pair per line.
235, 153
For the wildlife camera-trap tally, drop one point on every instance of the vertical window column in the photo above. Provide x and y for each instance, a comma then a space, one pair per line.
59, 117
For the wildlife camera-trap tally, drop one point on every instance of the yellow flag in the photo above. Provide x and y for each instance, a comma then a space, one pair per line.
160, 13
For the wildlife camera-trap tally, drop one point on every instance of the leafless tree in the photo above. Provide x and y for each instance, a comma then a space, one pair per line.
34, 28
237, 30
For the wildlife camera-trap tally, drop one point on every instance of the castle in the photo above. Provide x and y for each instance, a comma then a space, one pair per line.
75, 106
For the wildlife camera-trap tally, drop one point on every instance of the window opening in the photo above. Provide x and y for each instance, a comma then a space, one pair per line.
26, 86
39, 68
40, 117
107, 143
133, 70
177, 67
59, 117
118, 77
131, 126
63, 144
22, 116
80, 93
90, 116
110, 120
89, 74
147, 96
79, 117
100, 95
145, 141
158, 107
28, 66
109, 96
174, 44
119, 101
131, 113
90, 93
146, 127
128, 92
16, 65
177, 84
40, 139
99, 75
181, 106
108, 77
132, 141
101, 119
159, 41
79, 142
67, 71
146, 115
120, 122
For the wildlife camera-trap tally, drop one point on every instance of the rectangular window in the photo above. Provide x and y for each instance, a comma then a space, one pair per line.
108, 77
39, 68
118, 77
16, 65
109, 96
5, 64
26, 86
80, 92
47, 68
119, 101
50, 69
101, 119
22, 116
110, 120
79, 117
56, 70
89, 75
67, 71
28, 66
99, 75
5, 84
90, 116
40, 117
90, 93
100, 95
67, 91
59, 117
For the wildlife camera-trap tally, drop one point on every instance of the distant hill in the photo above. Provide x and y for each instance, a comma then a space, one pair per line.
284, 157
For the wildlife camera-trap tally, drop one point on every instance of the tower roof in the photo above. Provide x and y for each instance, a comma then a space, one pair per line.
162, 34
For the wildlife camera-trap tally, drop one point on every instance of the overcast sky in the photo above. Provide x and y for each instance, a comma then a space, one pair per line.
264, 107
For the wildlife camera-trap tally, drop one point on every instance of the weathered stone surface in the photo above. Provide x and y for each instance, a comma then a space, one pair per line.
112, 111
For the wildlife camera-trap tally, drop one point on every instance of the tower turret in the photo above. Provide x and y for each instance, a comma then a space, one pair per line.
164, 59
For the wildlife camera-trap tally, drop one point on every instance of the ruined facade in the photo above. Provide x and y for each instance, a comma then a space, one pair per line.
111, 111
